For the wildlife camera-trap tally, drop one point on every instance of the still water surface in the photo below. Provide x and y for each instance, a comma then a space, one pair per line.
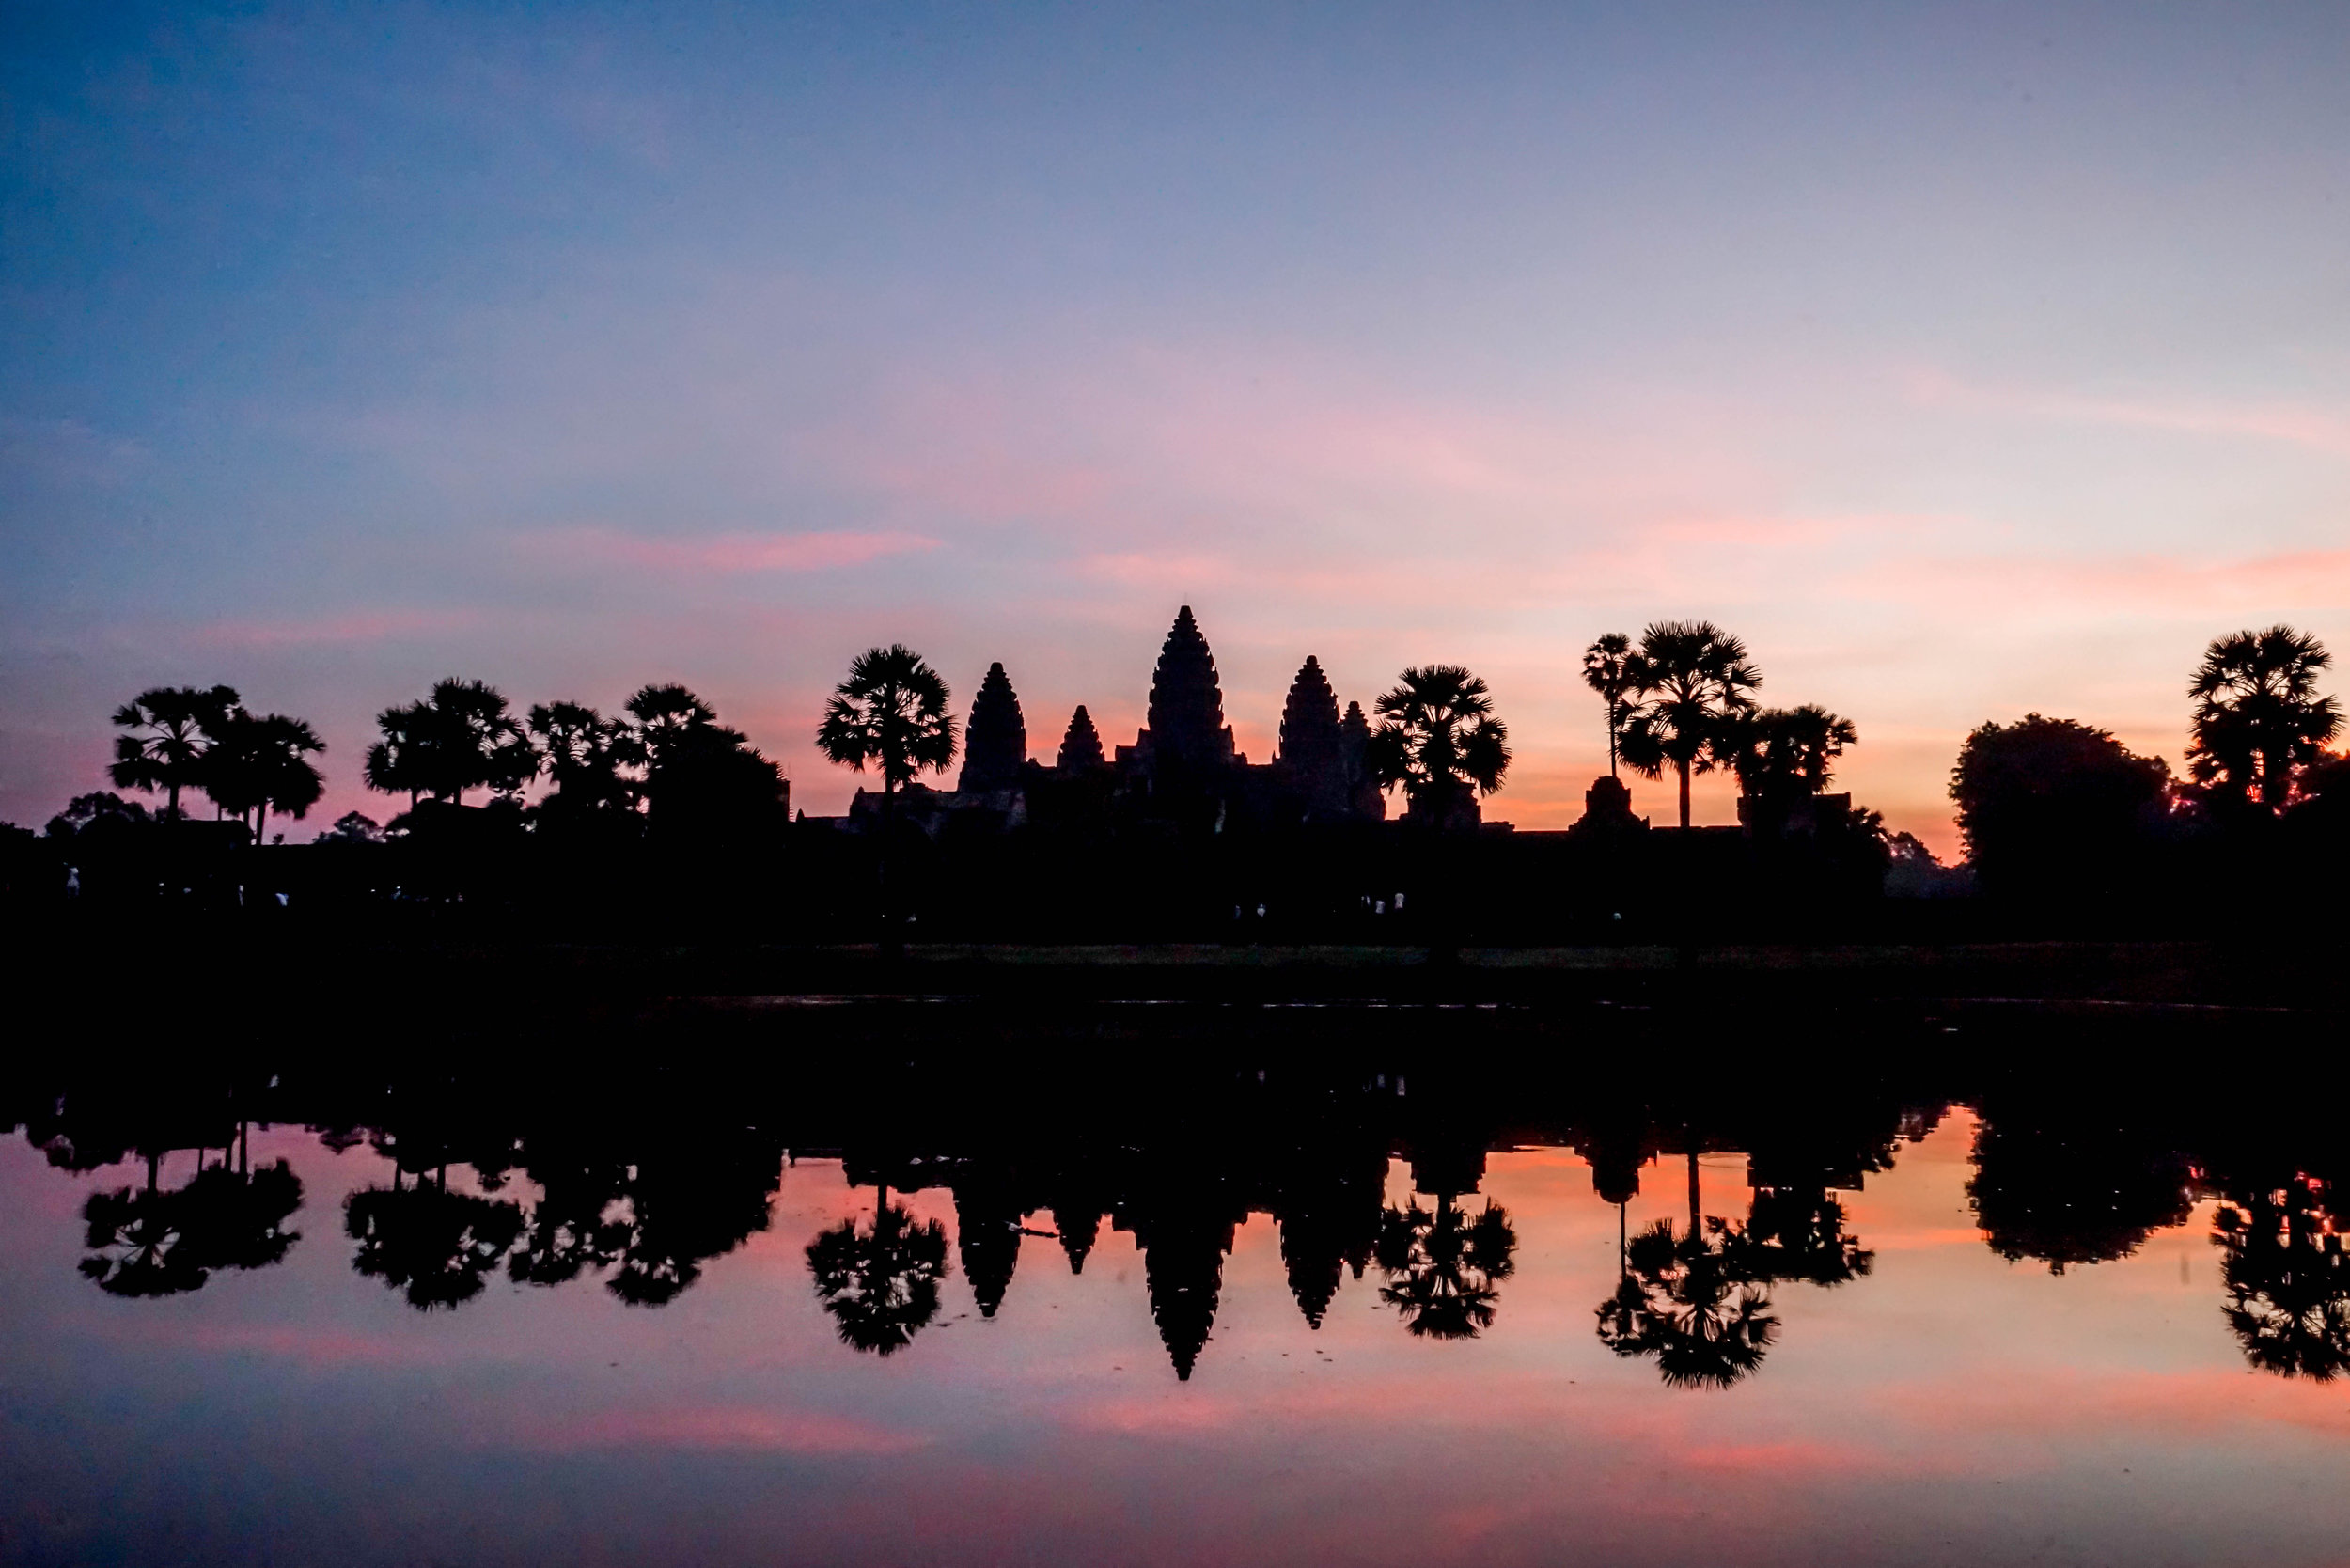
1498, 1373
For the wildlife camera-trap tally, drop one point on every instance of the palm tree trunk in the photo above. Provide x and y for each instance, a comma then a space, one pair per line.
892, 949
1694, 1221
1685, 793
260, 822
150, 1173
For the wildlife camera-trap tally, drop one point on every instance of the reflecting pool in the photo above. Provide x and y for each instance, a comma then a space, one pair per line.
1361, 1306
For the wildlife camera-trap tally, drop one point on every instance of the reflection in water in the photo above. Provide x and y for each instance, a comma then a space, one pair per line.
2287, 1292
433, 1244
879, 1281
554, 1190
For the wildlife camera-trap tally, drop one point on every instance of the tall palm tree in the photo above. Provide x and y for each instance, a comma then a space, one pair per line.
585, 753
1693, 676
171, 728
1613, 669
2258, 715
891, 713
1439, 739
260, 763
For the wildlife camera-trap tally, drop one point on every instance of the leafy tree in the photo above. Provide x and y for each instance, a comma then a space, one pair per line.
236, 1218
1439, 739
1615, 671
889, 714
460, 737
700, 773
170, 728
1694, 677
2043, 800
880, 1282
2259, 718
1444, 1267
85, 811
352, 827
259, 763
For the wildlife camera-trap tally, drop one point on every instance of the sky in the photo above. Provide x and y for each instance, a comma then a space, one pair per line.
1965, 361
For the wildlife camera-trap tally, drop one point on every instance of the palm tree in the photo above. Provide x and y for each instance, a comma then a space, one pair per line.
1444, 1267
1693, 676
460, 737
2258, 716
891, 713
258, 764
171, 728
139, 1240
880, 1283
1782, 752
1439, 740
585, 753
1611, 668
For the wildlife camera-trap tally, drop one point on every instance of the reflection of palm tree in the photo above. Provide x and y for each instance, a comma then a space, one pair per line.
2288, 1291
138, 1241
1799, 1234
430, 1242
880, 1282
237, 1219
1442, 1267
1690, 1301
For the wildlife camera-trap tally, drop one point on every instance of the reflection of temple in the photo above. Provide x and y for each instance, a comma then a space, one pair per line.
1182, 768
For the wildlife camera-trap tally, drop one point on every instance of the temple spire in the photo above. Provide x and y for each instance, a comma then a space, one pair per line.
1313, 741
1081, 747
1186, 725
996, 742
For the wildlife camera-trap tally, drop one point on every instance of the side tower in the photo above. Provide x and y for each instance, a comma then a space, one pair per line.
1312, 758
996, 742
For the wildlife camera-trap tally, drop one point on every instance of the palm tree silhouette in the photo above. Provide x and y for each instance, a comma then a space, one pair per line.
260, 763
585, 753
1439, 740
891, 713
460, 737
880, 1282
2258, 715
2287, 1287
1689, 1300
1779, 752
1693, 676
1611, 668
433, 1244
138, 1240
1444, 1266
171, 728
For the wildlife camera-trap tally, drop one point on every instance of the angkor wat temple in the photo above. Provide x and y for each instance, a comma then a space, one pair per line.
1181, 773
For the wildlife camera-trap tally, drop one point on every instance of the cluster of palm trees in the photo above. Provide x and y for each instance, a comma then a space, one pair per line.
180, 738
1682, 698
665, 748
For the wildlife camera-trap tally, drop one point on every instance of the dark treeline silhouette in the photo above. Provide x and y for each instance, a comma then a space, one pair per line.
1363, 1135
661, 819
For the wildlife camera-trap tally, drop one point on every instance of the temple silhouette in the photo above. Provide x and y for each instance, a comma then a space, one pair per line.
1183, 772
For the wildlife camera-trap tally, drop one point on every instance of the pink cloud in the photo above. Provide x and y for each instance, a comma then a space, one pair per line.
2253, 586
728, 1427
354, 626
2326, 429
734, 553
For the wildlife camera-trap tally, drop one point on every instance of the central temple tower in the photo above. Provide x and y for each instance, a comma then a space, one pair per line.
1185, 733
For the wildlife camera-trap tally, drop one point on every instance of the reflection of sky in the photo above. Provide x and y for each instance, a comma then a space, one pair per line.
1966, 360
1950, 1407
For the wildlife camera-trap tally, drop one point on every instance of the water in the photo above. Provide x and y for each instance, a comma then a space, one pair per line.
1874, 1381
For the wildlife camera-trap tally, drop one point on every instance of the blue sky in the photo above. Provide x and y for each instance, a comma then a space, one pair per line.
1967, 361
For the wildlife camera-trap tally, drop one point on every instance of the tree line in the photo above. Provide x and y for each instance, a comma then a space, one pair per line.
1679, 700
